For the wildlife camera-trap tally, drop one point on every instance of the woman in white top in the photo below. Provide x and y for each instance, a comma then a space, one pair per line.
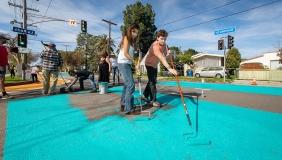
125, 60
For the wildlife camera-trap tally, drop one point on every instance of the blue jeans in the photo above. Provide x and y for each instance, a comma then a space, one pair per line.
115, 72
127, 98
92, 81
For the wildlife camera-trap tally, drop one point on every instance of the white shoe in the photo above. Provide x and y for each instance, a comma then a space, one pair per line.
7, 97
156, 104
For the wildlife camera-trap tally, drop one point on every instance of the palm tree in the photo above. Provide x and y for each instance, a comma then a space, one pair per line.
101, 44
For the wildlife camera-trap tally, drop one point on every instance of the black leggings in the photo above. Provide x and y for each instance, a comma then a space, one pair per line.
151, 89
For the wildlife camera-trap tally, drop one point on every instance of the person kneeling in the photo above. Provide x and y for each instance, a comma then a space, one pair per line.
81, 76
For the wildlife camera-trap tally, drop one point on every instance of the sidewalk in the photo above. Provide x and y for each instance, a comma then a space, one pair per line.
259, 83
32, 86
27, 87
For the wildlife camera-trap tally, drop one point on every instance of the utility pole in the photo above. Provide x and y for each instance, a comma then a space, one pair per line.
66, 45
109, 38
24, 26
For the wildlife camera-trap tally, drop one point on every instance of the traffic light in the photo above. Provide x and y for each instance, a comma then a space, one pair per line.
230, 42
22, 40
220, 44
83, 26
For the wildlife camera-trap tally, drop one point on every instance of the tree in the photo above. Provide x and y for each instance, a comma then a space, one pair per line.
191, 52
144, 16
91, 46
233, 58
186, 57
174, 49
101, 44
73, 59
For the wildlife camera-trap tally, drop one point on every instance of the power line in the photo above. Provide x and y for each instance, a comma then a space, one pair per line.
199, 13
247, 10
50, 41
181, 19
48, 7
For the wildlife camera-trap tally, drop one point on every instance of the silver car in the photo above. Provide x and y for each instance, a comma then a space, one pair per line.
217, 72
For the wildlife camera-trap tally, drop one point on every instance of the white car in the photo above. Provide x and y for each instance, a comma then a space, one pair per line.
217, 72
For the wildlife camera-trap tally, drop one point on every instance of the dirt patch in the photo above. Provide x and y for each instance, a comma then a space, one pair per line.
96, 106
255, 101
3, 110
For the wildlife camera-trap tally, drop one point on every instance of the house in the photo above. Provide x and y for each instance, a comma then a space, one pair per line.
268, 60
202, 60
264, 67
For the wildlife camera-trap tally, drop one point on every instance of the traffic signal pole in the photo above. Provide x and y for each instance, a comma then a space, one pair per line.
222, 46
24, 27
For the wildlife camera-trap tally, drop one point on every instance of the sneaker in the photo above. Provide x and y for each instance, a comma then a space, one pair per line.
156, 104
7, 97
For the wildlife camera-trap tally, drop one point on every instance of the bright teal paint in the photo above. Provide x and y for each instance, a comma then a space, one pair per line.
275, 91
50, 128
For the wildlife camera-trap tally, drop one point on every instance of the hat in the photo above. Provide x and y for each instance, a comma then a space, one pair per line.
51, 44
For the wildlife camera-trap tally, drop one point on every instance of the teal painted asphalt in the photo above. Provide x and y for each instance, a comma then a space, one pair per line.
51, 128
274, 91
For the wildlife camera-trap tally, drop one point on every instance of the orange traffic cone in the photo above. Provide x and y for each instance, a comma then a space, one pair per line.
254, 81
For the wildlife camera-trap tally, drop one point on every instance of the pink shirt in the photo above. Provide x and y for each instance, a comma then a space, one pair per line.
154, 52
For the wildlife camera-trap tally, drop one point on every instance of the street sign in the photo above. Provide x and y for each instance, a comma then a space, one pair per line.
30, 32
24, 31
226, 30
72, 22
24, 50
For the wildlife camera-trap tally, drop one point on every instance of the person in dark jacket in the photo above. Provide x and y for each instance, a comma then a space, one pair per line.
104, 68
81, 76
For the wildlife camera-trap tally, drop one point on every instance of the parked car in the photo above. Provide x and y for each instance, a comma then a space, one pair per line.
217, 72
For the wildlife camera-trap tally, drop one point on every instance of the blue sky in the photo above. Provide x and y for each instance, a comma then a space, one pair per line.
258, 31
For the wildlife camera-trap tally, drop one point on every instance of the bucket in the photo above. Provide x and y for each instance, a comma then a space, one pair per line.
103, 87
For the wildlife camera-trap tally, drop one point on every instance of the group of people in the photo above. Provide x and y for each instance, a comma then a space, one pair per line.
4, 53
52, 62
157, 52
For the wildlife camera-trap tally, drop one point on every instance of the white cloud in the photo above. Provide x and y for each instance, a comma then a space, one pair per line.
257, 30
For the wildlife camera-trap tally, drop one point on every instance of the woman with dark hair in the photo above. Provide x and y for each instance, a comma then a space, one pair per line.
125, 61
104, 68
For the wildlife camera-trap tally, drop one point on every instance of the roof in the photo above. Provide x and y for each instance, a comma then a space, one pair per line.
199, 55
5, 36
265, 56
